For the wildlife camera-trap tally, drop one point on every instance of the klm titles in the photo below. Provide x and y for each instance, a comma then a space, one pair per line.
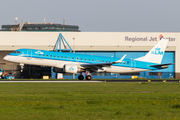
157, 52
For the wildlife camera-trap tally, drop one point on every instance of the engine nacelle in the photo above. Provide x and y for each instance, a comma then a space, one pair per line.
58, 70
70, 68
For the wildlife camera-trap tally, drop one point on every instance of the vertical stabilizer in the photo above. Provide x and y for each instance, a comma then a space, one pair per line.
155, 55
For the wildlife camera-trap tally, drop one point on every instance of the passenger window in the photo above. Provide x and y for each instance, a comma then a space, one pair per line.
47, 55
61, 56
85, 58
99, 60
106, 61
81, 58
50, 55
54, 56
39, 54
43, 54
103, 61
89, 59
72, 57
92, 59
96, 60
69, 57
58, 56
65, 57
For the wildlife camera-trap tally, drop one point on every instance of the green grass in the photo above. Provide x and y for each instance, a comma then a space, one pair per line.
89, 101
145, 79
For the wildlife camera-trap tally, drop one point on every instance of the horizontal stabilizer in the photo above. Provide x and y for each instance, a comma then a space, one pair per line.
161, 66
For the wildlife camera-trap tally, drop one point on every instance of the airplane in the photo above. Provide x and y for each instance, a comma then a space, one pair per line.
64, 62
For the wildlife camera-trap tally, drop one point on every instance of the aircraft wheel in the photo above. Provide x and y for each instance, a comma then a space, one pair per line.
80, 77
88, 77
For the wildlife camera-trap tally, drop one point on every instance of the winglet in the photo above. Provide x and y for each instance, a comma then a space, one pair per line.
120, 59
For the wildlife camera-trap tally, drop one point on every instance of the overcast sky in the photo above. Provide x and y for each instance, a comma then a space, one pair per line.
97, 15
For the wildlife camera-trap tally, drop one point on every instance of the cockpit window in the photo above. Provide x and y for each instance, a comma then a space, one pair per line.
17, 52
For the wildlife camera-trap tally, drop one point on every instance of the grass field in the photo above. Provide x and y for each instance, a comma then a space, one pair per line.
90, 101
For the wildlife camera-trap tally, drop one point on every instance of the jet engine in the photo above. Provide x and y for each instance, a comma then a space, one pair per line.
71, 68
58, 70
68, 68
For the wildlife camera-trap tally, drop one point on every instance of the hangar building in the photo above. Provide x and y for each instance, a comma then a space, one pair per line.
111, 44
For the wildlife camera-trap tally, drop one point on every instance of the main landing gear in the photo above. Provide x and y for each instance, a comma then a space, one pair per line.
81, 77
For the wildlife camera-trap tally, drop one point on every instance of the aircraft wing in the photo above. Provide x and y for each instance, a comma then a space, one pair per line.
96, 66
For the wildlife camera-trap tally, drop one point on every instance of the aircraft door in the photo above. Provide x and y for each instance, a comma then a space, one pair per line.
133, 64
29, 54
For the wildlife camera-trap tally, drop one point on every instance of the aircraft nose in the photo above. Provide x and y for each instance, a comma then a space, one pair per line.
7, 57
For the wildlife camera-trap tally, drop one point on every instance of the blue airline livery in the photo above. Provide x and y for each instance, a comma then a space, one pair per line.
64, 62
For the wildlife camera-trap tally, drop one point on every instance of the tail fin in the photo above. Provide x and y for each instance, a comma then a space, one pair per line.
155, 55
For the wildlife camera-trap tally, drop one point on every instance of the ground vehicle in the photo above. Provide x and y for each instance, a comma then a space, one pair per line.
9, 76
1, 72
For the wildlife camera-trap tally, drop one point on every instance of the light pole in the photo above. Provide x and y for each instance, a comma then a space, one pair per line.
74, 45
73, 52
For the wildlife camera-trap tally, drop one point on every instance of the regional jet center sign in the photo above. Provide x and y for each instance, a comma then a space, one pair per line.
144, 39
